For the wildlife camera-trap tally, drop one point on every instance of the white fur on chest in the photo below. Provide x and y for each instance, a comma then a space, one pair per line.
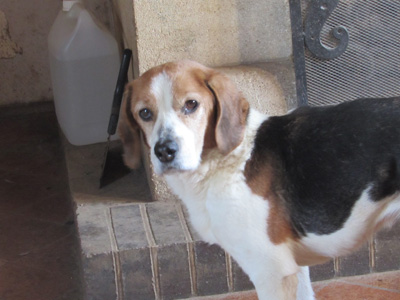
217, 196
221, 206
223, 209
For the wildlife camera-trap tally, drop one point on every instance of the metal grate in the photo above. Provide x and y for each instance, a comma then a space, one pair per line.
370, 67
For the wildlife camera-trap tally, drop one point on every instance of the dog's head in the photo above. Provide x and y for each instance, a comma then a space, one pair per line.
183, 109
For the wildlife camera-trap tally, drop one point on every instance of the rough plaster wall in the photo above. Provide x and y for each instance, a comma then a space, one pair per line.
102, 10
261, 88
213, 32
126, 28
26, 77
8, 48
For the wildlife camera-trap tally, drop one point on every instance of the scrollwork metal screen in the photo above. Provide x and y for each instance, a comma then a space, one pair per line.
370, 66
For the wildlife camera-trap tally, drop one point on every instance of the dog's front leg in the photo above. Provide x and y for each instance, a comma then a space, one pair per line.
276, 276
296, 286
271, 268
240, 228
275, 286
279, 288
304, 288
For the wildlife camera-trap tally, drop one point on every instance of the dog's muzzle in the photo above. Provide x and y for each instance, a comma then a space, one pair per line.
166, 150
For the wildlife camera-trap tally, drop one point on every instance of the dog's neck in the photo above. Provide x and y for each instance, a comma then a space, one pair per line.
213, 162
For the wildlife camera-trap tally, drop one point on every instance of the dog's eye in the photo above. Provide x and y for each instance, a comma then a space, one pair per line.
190, 106
146, 114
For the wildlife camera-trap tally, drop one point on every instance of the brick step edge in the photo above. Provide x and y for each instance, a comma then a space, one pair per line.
150, 251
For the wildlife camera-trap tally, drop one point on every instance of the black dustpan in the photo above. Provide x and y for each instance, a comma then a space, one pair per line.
113, 167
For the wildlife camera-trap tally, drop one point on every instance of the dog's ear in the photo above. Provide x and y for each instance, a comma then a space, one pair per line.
129, 132
232, 111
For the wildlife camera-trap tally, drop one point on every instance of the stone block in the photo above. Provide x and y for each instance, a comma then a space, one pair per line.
241, 282
137, 275
210, 269
93, 230
387, 249
165, 223
128, 227
133, 252
323, 271
173, 268
98, 277
356, 263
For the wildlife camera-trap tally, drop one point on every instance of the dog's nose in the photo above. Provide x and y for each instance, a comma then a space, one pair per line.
165, 151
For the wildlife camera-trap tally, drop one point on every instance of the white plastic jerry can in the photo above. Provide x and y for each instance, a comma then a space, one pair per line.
84, 65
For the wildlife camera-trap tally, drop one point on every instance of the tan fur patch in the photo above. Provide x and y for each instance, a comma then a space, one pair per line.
232, 112
190, 84
279, 227
289, 284
306, 257
260, 180
128, 131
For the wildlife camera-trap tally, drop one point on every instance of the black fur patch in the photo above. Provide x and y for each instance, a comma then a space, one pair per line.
324, 157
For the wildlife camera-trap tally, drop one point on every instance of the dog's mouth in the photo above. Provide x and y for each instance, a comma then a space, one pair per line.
171, 169
168, 170
170, 156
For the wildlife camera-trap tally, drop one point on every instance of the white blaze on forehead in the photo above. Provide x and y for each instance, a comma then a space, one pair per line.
168, 124
161, 88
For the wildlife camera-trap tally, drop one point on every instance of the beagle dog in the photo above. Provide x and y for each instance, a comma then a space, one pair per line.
277, 193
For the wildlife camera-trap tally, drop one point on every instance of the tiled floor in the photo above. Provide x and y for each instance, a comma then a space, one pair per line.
38, 245
378, 286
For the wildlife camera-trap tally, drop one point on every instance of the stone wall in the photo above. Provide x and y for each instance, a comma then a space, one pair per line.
214, 32
24, 26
